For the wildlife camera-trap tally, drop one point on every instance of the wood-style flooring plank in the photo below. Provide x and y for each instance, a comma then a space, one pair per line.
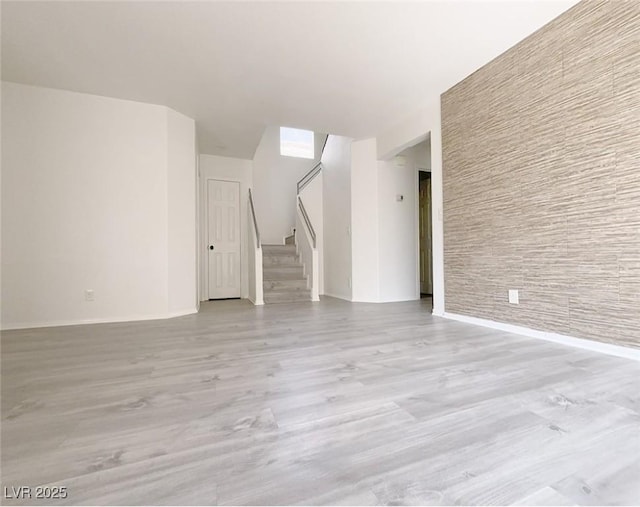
315, 404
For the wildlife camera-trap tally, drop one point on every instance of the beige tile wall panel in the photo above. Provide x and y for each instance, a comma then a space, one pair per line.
541, 155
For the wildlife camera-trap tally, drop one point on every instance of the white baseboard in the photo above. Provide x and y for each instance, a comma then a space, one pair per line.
181, 313
335, 296
259, 303
401, 300
81, 322
582, 343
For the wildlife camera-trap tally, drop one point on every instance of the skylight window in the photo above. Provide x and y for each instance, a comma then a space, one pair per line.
296, 143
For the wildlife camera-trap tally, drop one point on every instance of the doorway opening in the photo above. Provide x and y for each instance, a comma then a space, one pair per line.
416, 224
425, 234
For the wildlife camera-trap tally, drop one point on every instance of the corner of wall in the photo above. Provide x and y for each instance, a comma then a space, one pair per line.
365, 221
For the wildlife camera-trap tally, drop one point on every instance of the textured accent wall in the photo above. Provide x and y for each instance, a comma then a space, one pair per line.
541, 161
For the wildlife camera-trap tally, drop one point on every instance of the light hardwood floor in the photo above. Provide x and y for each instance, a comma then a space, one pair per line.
316, 403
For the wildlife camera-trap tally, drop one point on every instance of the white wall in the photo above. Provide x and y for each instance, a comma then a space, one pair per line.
319, 140
364, 221
402, 135
274, 182
197, 224
398, 232
85, 205
337, 216
384, 230
181, 192
254, 256
227, 169
421, 154
308, 255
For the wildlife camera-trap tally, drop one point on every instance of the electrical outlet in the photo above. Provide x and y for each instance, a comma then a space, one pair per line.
89, 295
514, 297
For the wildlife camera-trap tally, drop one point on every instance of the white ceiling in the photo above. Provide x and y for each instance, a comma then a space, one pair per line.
347, 68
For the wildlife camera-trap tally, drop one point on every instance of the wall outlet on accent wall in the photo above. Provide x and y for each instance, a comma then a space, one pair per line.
89, 295
514, 297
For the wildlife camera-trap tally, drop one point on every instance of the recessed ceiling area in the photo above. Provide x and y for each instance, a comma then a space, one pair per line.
347, 68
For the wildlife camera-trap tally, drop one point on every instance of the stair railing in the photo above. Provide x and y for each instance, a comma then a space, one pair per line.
307, 221
255, 222
256, 290
306, 248
308, 178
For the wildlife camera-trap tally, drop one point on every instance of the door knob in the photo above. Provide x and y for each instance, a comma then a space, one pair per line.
210, 247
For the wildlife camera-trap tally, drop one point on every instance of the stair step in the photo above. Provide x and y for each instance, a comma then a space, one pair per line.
279, 272
287, 297
279, 249
294, 285
281, 260
283, 279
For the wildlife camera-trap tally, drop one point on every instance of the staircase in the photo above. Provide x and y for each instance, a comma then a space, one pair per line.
283, 278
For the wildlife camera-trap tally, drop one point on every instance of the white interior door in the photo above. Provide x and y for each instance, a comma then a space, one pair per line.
223, 248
